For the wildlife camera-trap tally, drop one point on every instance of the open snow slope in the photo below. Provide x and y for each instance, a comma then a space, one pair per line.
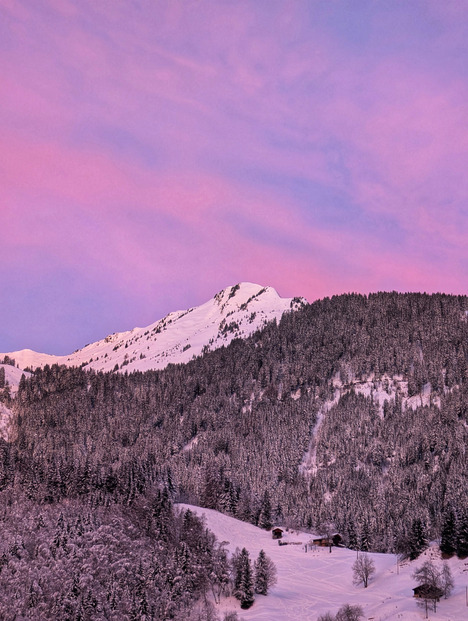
379, 390
234, 312
5, 419
12, 376
12, 379
312, 583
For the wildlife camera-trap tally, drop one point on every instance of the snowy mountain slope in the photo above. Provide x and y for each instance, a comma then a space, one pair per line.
312, 583
12, 377
12, 380
379, 390
234, 312
5, 419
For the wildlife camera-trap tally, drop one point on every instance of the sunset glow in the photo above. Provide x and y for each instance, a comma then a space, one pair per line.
153, 153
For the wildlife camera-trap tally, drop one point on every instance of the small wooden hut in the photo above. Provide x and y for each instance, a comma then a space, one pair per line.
427, 591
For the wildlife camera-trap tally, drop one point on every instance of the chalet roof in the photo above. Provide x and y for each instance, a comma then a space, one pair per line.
428, 590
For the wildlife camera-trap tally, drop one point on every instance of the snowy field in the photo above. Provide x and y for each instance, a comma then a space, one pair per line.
316, 582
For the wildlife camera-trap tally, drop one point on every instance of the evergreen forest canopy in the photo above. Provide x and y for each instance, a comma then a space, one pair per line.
230, 430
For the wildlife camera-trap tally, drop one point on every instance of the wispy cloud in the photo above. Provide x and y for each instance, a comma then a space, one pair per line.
160, 151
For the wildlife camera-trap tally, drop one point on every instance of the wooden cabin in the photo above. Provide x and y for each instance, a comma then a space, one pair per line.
326, 542
427, 591
277, 533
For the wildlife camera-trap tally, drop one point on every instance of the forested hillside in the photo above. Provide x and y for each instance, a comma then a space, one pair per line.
78, 561
350, 414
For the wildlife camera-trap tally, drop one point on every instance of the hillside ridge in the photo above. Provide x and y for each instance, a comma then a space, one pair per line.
234, 312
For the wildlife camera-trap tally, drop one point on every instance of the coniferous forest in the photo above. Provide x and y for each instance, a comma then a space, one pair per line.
351, 414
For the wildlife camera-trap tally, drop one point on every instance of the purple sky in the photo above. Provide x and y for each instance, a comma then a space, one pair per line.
155, 152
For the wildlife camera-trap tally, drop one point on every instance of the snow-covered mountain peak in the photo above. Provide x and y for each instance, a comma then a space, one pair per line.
234, 312
242, 293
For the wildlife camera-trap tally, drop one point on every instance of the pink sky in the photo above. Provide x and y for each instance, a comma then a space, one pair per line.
153, 153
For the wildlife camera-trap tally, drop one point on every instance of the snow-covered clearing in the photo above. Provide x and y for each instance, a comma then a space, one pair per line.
379, 390
309, 461
315, 582
13, 377
386, 388
5, 419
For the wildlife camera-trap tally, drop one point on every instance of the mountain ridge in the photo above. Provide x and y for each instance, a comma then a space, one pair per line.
234, 312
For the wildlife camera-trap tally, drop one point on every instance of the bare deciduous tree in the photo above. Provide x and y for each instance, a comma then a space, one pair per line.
446, 580
345, 613
363, 569
435, 582
349, 613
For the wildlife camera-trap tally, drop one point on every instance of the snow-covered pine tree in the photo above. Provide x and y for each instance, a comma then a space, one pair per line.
364, 544
462, 536
265, 573
448, 543
244, 585
418, 539
264, 520
352, 537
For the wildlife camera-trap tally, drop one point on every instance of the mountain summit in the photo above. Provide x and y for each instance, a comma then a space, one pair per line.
234, 312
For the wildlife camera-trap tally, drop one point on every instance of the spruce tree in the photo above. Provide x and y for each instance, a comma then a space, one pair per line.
352, 538
364, 545
264, 520
448, 542
244, 580
265, 573
418, 541
462, 536
236, 570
